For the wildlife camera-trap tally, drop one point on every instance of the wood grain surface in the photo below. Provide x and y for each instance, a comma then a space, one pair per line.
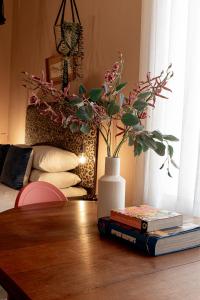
54, 251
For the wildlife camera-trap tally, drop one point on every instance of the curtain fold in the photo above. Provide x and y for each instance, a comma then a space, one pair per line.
170, 35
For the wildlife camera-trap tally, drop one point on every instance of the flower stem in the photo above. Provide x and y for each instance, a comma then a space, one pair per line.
109, 137
107, 144
123, 140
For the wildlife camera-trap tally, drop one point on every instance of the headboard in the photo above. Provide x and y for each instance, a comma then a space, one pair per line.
41, 130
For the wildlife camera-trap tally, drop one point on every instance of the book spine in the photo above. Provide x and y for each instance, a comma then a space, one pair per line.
136, 223
137, 239
130, 221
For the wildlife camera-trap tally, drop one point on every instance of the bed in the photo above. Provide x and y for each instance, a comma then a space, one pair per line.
40, 130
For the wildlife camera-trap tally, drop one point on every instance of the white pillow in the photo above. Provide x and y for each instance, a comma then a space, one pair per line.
52, 159
60, 179
74, 191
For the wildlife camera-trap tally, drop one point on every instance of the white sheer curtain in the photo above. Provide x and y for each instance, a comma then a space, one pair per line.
171, 34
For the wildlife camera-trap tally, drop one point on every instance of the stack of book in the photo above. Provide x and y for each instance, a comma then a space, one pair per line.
152, 230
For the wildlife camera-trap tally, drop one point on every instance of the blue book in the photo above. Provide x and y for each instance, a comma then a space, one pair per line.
156, 242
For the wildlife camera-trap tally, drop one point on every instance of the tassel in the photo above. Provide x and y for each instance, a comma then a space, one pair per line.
2, 18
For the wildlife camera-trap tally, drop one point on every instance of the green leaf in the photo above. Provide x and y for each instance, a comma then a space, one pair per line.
142, 142
160, 149
129, 119
157, 135
137, 149
121, 86
82, 90
85, 113
95, 94
138, 127
149, 141
174, 164
162, 166
170, 138
131, 140
144, 96
113, 108
140, 105
85, 128
170, 151
144, 147
75, 101
169, 174
74, 127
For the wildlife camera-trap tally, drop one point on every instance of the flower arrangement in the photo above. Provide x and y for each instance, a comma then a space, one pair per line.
101, 107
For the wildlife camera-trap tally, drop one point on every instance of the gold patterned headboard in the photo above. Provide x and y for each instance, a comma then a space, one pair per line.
41, 130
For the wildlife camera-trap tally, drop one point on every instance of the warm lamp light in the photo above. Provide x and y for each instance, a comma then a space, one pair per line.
82, 158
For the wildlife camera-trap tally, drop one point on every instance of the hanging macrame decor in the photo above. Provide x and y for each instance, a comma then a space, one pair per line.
2, 18
69, 42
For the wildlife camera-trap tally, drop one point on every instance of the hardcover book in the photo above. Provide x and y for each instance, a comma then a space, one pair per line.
147, 218
157, 242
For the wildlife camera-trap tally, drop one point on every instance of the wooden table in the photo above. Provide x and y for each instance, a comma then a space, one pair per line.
54, 251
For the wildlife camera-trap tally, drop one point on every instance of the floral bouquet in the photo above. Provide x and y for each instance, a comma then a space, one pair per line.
108, 106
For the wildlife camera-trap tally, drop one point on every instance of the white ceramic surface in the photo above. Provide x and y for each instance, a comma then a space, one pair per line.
111, 189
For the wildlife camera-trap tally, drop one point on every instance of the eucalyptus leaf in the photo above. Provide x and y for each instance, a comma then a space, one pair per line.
137, 149
95, 94
138, 127
113, 108
160, 148
144, 96
140, 105
131, 140
162, 166
75, 101
85, 113
82, 90
129, 119
85, 128
149, 141
169, 174
170, 151
170, 138
157, 135
144, 147
174, 164
142, 143
121, 86
74, 127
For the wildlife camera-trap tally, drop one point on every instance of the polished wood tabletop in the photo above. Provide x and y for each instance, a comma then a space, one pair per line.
54, 251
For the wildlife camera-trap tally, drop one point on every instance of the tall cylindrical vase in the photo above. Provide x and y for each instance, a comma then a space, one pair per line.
111, 188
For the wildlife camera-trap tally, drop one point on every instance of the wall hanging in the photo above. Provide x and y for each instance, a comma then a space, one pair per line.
69, 42
2, 18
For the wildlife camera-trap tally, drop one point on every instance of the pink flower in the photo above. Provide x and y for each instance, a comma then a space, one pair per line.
34, 100
142, 115
56, 118
109, 76
115, 67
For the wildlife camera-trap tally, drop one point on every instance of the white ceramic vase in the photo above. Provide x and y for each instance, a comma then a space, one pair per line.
111, 188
